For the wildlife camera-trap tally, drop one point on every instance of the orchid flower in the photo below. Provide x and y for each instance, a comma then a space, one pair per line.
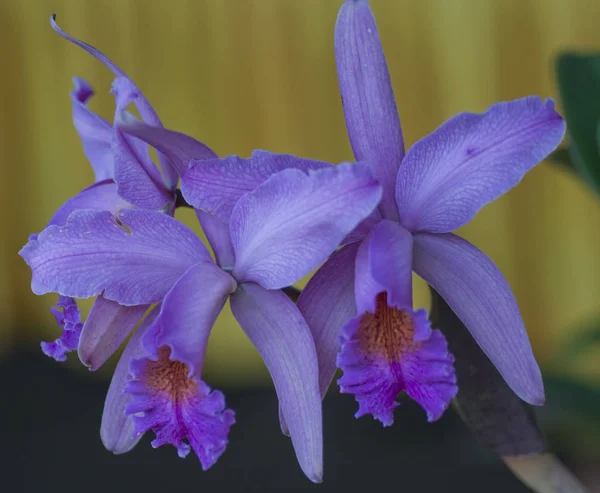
276, 234
125, 177
361, 298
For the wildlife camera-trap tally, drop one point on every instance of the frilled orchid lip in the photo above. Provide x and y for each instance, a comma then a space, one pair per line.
390, 351
68, 318
178, 406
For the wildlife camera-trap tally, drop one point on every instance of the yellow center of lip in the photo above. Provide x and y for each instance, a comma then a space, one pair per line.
388, 332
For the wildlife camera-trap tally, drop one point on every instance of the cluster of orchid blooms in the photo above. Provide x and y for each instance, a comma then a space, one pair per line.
271, 219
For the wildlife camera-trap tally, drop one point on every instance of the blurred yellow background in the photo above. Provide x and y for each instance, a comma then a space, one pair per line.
246, 74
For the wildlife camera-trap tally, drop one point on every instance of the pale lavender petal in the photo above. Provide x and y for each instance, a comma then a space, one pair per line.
383, 263
134, 183
471, 160
117, 428
166, 385
276, 327
146, 110
188, 313
179, 148
217, 233
133, 259
215, 185
327, 303
68, 318
480, 296
293, 221
106, 327
94, 131
100, 196
368, 98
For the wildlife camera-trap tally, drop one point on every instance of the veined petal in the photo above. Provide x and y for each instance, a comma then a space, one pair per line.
179, 148
166, 385
134, 182
276, 327
146, 110
215, 185
293, 221
133, 259
480, 296
388, 347
327, 303
368, 98
117, 428
94, 131
217, 233
101, 196
471, 160
106, 327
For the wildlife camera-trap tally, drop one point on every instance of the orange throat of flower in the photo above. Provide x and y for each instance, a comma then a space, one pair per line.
169, 377
388, 332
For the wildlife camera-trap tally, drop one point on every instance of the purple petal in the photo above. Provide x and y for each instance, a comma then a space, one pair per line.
384, 263
471, 160
368, 98
179, 148
100, 196
178, 407
480, 296
188, 313
106, 327
327, 303
135, 184
95, 132
275, 326
146, 110
217, 233
215, 185
68, 318
133, 259
117, 428
293, 221
391, 350
166, 385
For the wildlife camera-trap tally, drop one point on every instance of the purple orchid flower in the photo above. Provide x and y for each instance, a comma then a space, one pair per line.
125, 177
364, 291
276, 234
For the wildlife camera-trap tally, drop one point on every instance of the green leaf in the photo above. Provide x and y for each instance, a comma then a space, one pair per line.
579, 86
485, 402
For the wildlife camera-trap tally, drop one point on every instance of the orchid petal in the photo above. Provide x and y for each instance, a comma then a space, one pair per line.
133, 259
188, 313
293, 221
100, 196
117, 429
471, 160
368, 98
146, 110
215, 185
94, 131
217, 233
327, 303
275, 326
481, 298
106, 327
179, 148
135, 184
384, 263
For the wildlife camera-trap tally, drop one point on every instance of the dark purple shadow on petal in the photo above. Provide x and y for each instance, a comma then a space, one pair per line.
485, 402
